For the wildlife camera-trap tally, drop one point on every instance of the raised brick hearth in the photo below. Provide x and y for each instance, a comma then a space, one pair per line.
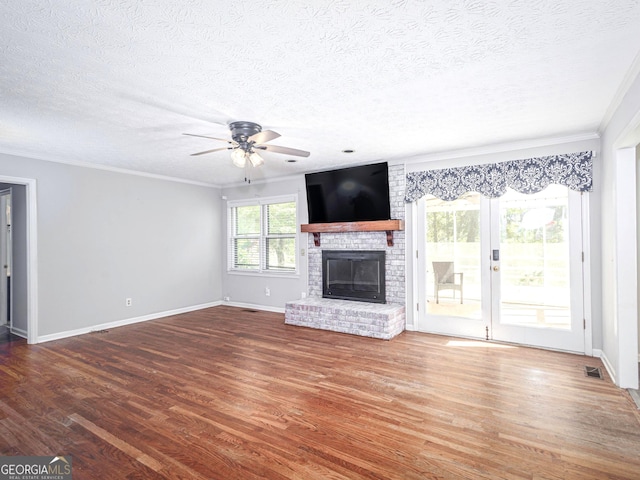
359, 318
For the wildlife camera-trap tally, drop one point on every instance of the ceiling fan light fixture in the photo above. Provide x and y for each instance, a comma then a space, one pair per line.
246, 138
255, 159
239, 157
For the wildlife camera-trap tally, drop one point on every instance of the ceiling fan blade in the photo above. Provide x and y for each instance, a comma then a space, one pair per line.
212, 138
263, 136
285, 150
210, 151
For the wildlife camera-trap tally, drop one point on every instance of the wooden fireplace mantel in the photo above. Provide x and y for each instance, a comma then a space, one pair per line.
388, 226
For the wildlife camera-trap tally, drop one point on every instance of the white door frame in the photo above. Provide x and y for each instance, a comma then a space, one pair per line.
418, 299
626, 268
32, 253
625, 315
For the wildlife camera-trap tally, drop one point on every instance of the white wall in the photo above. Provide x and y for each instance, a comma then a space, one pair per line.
103, 236
246, 289
619, 270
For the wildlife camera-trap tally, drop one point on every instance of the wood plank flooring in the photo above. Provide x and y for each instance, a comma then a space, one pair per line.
228, 393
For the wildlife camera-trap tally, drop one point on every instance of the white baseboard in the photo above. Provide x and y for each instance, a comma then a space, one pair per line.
126, 321
19, 332
266, 308
607, 364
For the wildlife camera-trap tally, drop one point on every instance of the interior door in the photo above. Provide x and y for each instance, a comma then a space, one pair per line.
507, 269
5, 256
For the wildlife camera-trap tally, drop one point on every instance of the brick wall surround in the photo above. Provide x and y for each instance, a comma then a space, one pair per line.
394, 265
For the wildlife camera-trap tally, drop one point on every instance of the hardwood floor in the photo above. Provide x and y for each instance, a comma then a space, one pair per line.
6, 336
227, 393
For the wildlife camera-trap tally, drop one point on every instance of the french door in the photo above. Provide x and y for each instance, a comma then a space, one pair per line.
506, 269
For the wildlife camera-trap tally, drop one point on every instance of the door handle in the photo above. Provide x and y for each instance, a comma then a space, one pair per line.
496, 268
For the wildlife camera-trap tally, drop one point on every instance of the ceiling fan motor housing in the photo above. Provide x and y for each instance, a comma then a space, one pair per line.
241, 131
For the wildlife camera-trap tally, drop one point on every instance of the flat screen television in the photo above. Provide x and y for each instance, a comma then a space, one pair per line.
353, 194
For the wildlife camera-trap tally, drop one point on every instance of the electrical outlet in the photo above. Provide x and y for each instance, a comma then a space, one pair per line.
226, 299
128, 302
303, 295
267, 292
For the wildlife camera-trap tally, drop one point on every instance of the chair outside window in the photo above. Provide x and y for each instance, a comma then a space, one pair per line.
445, 279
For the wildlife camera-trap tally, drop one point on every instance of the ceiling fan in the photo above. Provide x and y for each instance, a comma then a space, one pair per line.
247, 138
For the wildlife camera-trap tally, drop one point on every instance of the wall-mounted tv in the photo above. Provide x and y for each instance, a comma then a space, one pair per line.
352, 194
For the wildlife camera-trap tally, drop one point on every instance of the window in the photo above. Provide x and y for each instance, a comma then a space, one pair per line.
262, 235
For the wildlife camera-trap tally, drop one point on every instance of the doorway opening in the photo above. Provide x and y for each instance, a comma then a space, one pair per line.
18, 258
5, 259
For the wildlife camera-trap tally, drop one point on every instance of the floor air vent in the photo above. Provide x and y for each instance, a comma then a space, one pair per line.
592, 372
248, 310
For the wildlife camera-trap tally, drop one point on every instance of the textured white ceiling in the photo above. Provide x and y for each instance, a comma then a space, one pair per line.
117, 82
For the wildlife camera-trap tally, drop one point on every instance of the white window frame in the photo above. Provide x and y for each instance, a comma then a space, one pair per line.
262, 270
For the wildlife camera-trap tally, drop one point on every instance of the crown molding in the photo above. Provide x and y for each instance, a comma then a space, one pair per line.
500, 148
627, 81
108, 168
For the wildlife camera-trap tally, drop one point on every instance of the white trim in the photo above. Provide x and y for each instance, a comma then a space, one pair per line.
630, 136
623, 89
32, 262
292, 197
416, 160
412, 264
19, 332
262, 236
263, 273
126, 321
607, 364
266, 308
32, 253
109, 168
626, 267
586, 275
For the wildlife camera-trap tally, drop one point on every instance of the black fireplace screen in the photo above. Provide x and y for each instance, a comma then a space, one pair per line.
354, 275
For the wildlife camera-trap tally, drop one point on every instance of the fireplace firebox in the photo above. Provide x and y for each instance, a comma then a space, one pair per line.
354, 275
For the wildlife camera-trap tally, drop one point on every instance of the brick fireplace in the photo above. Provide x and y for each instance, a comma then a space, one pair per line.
373, 320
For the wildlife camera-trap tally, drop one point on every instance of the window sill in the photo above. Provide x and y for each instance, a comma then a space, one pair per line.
254, 273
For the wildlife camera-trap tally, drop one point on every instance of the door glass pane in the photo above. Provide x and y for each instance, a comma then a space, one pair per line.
453, 256
534, 258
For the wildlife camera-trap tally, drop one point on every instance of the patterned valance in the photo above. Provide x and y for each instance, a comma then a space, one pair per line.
573, 170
